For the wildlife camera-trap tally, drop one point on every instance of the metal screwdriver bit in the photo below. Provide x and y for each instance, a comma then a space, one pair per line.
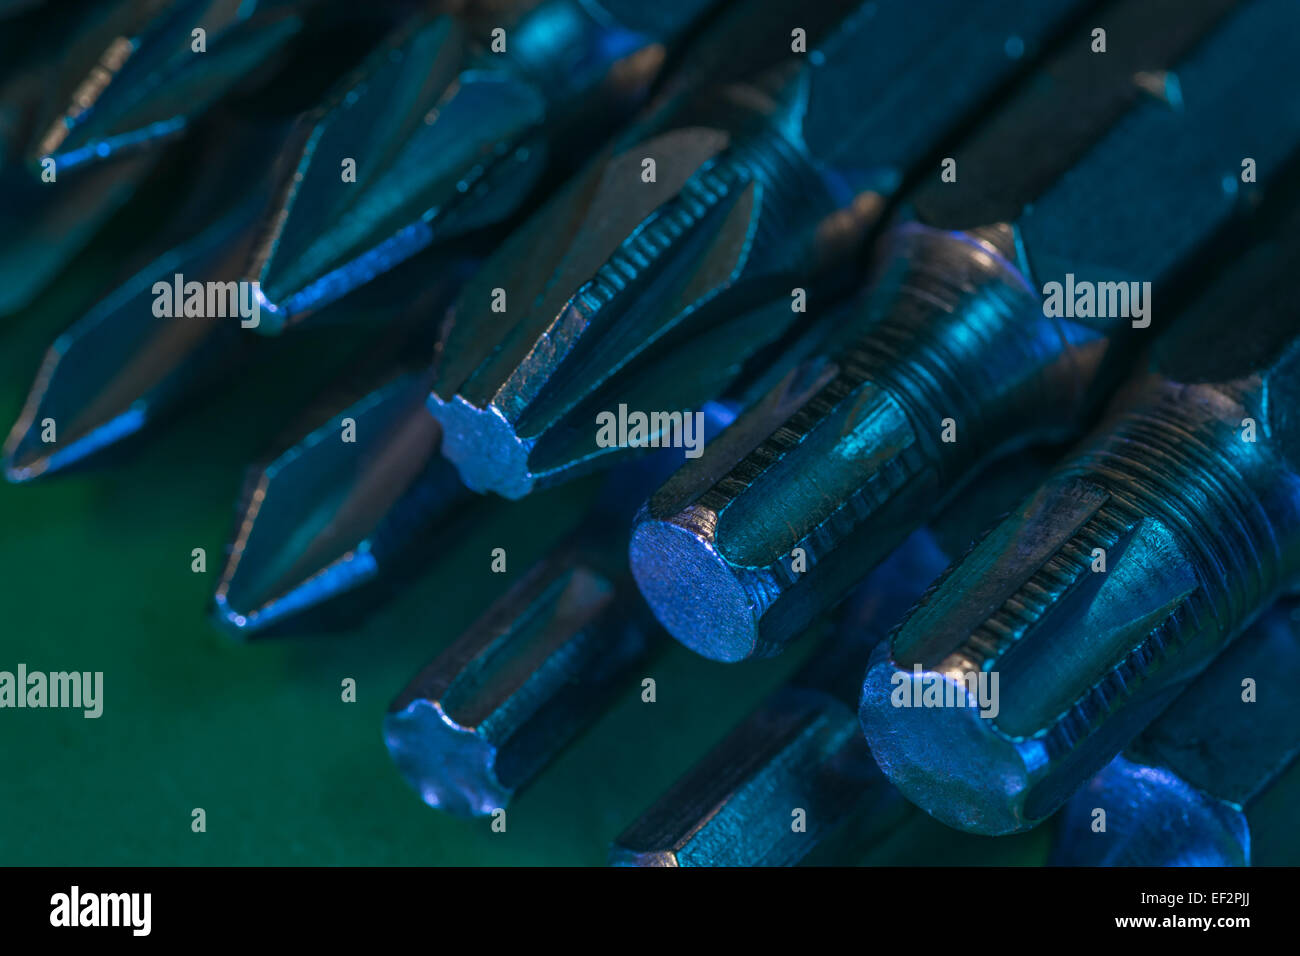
89, 97
348, 511
117, 368
122, 365
276, 506
1181, 794
473, 764
650, 292
802, 748
496, 706
475, 725
52, 63
957, 360
1101, 596
148, 83
450, 139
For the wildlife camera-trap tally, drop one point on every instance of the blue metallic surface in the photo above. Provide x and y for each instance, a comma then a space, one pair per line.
1183, 794
1191, 490
653, 294
828, 477
148, 85
451, 139
1153, 818
499, 704
325, 518
92, 96
953, 329
122, 367
88, 383
802, 748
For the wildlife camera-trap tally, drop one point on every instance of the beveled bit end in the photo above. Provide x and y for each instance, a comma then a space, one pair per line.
1033, 660
946, 759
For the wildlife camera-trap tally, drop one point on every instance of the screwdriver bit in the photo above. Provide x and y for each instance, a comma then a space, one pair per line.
148, 82
800, 751
117, 368
450, 138
51, 63
122, 365
958, 359
1105, 592
496, 706
277, 509
346, 513
89, 98
472, 765
802, 748
650, 291
1181, 794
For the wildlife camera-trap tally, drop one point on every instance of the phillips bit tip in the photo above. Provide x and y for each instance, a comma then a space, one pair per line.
438, 139
154, 342
120, 367
149, 82
342, 507
651, 291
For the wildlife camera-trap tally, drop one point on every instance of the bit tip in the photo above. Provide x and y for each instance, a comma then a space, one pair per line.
450, 766
484, 447
27, 456
247, 609
313, 522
